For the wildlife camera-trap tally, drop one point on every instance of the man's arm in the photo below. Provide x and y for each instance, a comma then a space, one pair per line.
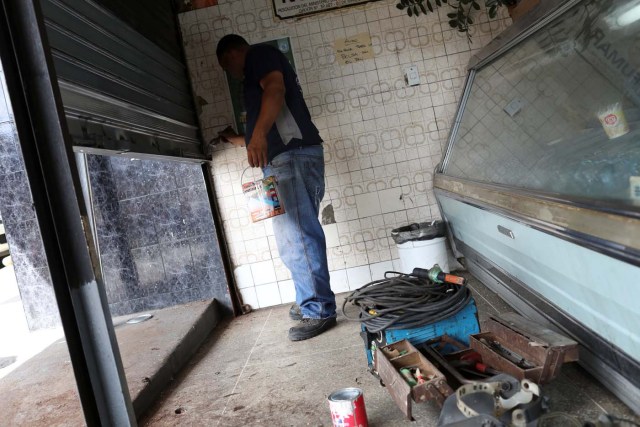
273, 91
229, 135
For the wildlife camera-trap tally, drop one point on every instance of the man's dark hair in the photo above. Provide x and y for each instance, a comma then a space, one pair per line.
228, 42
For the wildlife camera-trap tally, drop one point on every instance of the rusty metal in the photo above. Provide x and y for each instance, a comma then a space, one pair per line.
518, 338
436, 388
444, 364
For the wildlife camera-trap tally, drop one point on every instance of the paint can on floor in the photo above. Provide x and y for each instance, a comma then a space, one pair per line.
347, 408
262, 198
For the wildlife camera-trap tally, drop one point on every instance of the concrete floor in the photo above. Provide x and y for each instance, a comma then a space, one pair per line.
42, 391
248, 373
17, 343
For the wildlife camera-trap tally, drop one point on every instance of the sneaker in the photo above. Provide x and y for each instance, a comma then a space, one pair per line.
309, 328
295, 313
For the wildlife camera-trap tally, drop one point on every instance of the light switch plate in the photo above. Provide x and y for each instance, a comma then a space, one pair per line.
411, 76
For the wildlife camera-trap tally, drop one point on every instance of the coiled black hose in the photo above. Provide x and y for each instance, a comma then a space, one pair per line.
404, 301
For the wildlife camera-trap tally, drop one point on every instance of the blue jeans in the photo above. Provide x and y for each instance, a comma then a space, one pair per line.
299, 235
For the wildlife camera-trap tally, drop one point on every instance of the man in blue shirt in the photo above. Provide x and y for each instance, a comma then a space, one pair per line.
283, 141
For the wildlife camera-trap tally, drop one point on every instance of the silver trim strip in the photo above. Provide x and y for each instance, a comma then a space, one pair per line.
458, 119
612, 234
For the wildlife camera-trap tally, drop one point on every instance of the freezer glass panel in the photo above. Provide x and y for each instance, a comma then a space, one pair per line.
560, 112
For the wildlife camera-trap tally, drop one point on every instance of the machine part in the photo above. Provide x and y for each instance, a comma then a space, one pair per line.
436, 275
527, 392
405, 301
459, 326
501, 401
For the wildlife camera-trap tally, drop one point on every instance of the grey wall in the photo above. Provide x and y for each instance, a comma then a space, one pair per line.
156, 235
21, 227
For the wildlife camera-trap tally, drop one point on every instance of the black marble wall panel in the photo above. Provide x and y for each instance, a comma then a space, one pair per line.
156, 235
21, 228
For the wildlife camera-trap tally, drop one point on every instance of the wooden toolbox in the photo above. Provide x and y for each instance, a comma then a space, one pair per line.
390, 359
522, 348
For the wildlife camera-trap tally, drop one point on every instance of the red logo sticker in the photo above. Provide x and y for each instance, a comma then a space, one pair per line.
611, 119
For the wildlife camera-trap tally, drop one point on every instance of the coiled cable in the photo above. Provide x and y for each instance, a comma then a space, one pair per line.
404, 301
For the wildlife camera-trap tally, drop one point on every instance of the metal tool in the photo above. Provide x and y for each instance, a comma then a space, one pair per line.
436, 275
510, 355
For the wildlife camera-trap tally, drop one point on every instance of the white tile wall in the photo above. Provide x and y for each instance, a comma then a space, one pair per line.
287, 291
339, 281
244, 278
268, 295
379, 268
263, 272
382, 139
331, 235
358, 276
249, 297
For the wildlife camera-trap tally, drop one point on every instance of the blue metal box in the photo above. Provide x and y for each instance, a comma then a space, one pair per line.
459, 327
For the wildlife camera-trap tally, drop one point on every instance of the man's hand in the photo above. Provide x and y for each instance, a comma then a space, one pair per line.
229, 135
257, 150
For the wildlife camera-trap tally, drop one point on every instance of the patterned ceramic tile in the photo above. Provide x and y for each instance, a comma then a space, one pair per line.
382, 138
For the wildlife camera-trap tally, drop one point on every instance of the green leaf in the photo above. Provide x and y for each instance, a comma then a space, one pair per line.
400, 6
453, 23
429, 6
492, 12
469, 20
409, 12
438, 3
424, 10
452, 15
416, 10
475, 5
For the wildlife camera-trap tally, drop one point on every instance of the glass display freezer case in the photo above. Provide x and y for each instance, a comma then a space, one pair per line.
540, 182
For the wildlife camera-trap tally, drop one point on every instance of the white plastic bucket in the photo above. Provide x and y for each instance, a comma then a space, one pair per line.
424, 254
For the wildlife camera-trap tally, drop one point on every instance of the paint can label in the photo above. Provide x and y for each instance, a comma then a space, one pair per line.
347, 408
262, 198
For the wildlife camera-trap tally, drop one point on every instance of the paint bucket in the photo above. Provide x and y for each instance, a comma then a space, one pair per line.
262, 197
347, 408
424, 254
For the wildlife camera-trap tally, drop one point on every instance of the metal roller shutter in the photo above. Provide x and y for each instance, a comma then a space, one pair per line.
122, 93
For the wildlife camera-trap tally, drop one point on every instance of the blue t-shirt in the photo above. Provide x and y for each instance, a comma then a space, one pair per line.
293, 127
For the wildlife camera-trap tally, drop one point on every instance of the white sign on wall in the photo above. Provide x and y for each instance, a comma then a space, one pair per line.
295, 8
